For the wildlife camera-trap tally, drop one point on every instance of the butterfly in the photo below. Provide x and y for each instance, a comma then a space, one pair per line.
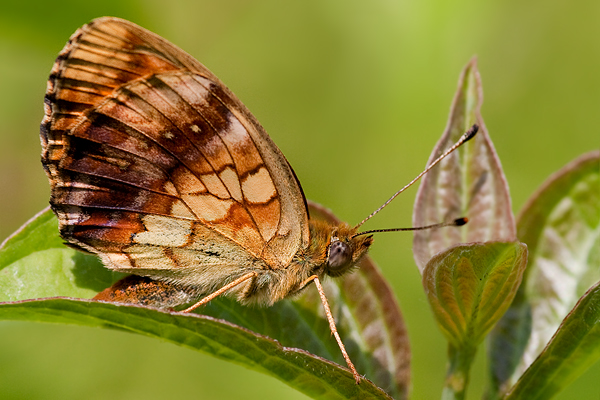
156, 167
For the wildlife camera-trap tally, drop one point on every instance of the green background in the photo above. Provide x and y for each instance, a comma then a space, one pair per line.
355, 93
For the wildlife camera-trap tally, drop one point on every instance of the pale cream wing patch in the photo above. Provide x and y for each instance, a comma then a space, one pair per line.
135, 127
182, 251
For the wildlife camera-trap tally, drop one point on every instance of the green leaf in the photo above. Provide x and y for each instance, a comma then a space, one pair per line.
470, 286
469, 182
313, 376
573, 349
34, 262
43, 226
561, 226
366, 312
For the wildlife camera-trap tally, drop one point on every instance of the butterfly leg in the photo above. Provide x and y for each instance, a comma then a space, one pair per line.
332, 326
219, 292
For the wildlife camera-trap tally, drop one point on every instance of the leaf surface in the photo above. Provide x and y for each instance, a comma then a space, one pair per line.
468, 183
573, 349
34, 263
561, 226
470, 286
311, 375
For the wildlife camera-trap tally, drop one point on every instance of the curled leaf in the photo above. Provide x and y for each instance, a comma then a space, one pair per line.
469, 182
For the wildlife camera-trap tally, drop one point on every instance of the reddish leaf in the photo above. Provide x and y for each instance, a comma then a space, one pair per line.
469, 182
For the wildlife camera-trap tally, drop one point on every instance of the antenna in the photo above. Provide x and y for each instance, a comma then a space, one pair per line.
456, 222
468, 135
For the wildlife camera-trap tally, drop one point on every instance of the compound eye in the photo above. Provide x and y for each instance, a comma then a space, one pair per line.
339, 254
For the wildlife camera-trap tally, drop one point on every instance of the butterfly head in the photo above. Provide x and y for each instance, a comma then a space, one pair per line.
345, 250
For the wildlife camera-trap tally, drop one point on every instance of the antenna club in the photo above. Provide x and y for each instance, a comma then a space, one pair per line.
466, 136
461, 221
471, 132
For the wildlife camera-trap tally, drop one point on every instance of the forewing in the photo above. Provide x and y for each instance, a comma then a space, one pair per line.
136, 131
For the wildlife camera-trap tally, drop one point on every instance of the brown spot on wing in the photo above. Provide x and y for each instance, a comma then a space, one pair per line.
134, 127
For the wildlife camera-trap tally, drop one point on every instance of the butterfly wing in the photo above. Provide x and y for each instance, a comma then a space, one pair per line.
157, 167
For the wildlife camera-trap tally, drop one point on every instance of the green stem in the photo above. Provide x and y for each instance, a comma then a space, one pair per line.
457, 377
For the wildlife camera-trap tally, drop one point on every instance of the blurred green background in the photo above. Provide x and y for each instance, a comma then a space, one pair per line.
355, 93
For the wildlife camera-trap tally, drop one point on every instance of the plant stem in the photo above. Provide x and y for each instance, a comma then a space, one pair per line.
457, 377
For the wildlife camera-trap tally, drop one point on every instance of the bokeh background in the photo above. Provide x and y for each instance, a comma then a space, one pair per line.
355, 93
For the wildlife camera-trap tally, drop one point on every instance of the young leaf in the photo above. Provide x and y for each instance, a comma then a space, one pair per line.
561, 226
469, 182
470, 286
573, 349
369, 321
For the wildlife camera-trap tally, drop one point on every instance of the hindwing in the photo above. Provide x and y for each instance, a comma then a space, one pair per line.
156, 166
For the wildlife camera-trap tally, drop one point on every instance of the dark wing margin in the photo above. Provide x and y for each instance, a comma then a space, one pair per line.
134, 126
